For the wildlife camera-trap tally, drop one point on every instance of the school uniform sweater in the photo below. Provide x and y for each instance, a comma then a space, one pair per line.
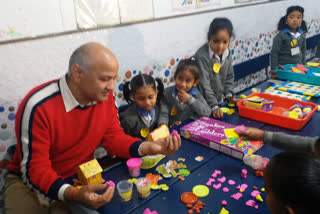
214, 86
290, 142
132, 121
172, 110
281, 50
54, 137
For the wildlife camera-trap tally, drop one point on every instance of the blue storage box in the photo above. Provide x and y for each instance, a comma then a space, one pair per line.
305, 78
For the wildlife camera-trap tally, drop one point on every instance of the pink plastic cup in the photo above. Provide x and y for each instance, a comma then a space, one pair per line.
134, 166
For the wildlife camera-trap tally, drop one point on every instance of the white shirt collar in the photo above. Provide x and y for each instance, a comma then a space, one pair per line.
295, 35
69, 100
224, 55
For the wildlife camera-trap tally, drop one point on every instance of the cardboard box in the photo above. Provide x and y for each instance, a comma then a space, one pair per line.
90, 173
219, 136
257, 102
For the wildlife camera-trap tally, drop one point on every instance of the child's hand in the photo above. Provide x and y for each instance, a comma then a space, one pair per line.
217, 113
233, 100
183, 96
176, 123
251, 134
273, 76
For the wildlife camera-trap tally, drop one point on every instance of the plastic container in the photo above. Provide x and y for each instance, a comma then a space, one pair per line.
305, 78
255, 161
143, 187
276, 117
134, 166
125, 190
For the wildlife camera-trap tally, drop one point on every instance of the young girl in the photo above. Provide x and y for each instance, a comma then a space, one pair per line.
289, 45
143, 96
183, 101
215, 60
292, 183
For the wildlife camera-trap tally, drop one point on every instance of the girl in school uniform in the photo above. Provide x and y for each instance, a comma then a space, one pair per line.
215, 60
183, 100
143, 94
289, 45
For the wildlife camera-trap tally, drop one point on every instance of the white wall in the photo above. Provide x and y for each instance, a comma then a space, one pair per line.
139, 47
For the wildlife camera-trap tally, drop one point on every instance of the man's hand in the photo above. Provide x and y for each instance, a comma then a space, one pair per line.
251, 134
87, 195
166, 146
183, 96
217, 113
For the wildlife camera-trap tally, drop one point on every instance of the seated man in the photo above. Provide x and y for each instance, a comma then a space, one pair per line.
59, 124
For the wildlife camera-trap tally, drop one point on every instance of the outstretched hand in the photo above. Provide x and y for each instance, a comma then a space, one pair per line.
251, 133
233, 100
217, 113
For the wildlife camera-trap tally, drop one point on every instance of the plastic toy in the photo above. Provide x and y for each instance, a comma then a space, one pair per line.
175, 133
240, 129
259, 198
110, 183
188, 198
242, 96
236, 196
134, 166
222, 179
216, 173
242, 187
297, 70
90, 173
231, 182
224, 211
306, 110
258, 172
143, 187
148, 211
225, 189
201, 190
125, 190
224, 203
217, 186
244, 173
210, 181
256, 161
160, 132
254, 193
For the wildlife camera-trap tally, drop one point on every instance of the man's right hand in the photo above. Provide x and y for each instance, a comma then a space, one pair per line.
87, 195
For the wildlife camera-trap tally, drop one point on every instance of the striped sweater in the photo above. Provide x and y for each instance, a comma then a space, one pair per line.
52, 142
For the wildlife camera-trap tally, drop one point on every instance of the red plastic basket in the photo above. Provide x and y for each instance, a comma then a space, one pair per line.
276, 117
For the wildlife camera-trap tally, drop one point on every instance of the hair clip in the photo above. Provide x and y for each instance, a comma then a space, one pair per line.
129, 86
192, 58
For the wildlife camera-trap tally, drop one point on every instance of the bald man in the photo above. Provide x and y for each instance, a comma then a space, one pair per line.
59, 125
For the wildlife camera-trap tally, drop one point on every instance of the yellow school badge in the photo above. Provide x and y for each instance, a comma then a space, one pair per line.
216, 68
144, 132
293, 42
173, 111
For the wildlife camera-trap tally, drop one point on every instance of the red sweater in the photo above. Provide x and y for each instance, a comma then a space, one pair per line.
51, 142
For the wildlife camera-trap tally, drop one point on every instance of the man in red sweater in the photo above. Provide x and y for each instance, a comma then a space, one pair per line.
59, 124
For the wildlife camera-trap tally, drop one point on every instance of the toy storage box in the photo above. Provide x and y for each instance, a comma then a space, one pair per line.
219, 136
276, 117
305, 78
